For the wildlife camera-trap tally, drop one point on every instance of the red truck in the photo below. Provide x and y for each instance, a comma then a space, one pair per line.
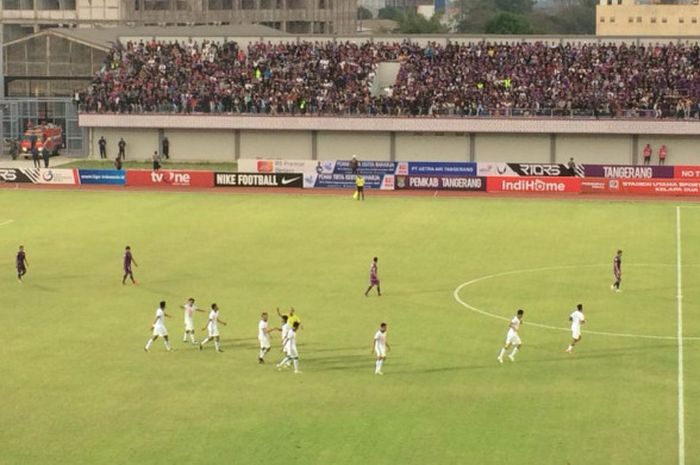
45, 137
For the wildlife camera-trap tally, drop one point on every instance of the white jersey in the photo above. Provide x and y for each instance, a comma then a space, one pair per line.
189, 314
380, 343
263, 335
285, 330
212, 326
513, 337
577, 318
290, 346
159, 325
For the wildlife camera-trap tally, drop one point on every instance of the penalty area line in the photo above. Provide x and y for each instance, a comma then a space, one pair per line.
3, 223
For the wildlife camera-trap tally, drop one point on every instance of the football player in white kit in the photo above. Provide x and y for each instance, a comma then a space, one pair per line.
380, 347
290, 349
158, 328
213, 328
264, 337
512, 338
285, 330
190, 308
577, 319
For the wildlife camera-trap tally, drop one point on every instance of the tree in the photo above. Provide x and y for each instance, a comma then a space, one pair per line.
390, 12
413, 23
508, 23
515, 6
363, 13
474, 14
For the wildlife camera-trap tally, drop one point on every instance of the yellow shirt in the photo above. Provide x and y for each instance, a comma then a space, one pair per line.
292, 318
360, 182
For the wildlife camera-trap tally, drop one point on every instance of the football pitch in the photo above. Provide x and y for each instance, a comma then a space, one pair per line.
78, 388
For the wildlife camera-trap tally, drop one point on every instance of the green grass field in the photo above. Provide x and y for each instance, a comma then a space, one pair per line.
77, 387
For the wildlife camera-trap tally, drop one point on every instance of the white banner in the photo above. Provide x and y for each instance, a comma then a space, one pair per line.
252, 165
51, 176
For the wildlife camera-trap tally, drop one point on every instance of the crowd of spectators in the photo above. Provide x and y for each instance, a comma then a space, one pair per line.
330, 78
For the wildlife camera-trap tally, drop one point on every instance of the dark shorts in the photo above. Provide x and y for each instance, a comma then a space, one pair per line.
374, 281
360, 188
127, 269
21, 269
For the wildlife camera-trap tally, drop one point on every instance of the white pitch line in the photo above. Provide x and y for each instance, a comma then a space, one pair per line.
456, 296
6, 222
679, 304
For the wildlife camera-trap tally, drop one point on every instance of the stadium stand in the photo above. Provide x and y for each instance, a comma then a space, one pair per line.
468, 79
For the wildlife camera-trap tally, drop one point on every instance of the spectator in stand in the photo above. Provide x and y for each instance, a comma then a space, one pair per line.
103, 147
647, 154
662, 154
156, 161
122, 148
166, 148
118, 163
354, 164
452, 79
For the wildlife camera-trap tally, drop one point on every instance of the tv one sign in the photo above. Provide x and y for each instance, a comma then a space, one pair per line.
549, 185
169, 178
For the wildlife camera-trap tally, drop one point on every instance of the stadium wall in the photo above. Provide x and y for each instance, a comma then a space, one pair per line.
214, 138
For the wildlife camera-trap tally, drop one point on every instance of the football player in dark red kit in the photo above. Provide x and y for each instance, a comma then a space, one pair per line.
617, 271
128, 260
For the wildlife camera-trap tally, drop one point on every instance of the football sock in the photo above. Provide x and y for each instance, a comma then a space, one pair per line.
571, 347
296, 364
514, 351
377, 366
205, 341
502, 352
148, 344
192, 337
167, 344
184, 338
216, 344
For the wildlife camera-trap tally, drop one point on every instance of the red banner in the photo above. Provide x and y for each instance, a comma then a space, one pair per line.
550, 185
686, 172
641, 186
170, 178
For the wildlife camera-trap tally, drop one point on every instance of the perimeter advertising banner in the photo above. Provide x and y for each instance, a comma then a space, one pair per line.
292, 180
347, 181
169, 178
13, 175
628, 171
686, 172
107, 177
365, 167
451, 183
679, 187
436, 168
529, 169
539, 185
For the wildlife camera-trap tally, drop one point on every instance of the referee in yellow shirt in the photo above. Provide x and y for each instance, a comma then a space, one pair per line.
291, 316
360, 185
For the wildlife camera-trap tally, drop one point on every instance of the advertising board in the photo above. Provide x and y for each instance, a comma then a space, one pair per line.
347, 181
111, 177
529, 169
627, 171
453, 183
680, 187
569, 185
292, 180
169, 178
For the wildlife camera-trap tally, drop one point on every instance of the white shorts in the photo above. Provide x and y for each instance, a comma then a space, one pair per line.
264, 342
576, 333
159, 330
189, 323
292, 352
380, 351
513, 338
213, 330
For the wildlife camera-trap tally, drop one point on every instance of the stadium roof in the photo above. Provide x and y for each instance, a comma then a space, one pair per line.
105, 37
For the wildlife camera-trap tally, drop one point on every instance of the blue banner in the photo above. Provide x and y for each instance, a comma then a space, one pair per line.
347, 181
366, 167
438, 168
114, 177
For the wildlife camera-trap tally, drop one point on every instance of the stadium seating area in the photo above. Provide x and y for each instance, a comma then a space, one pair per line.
475, 79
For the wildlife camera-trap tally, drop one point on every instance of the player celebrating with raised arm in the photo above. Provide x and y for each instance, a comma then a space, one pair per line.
512, 338
380, 347
190, 308
617, 271
292, 317
158, 328
213, 327
128, 260
264, 337
22, 263
577, 319
373, 278
290, 349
